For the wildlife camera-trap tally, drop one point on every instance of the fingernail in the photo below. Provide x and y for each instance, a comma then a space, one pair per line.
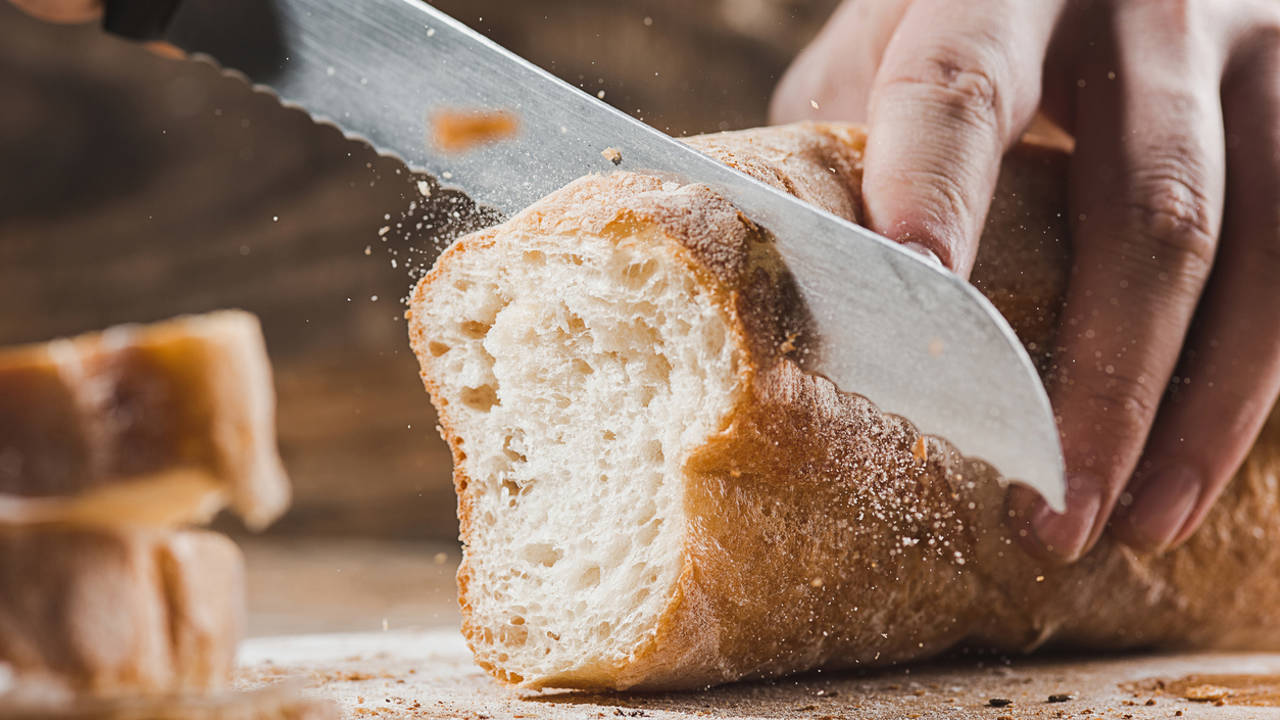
1161, 507
923, 250
1066, 535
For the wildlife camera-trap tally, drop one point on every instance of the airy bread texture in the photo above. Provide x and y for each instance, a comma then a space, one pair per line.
152, 424
655, 494
576, 410
114, 612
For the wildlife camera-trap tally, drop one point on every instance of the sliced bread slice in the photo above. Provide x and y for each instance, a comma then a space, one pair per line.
155, 424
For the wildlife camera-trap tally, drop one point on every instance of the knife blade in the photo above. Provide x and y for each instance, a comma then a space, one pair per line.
915, 339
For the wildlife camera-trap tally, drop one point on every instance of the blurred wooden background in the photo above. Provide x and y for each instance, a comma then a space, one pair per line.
134, 188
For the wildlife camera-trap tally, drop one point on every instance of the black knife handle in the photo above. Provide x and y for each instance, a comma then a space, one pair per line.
138, 19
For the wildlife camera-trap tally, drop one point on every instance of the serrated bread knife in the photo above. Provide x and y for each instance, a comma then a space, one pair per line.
915, 339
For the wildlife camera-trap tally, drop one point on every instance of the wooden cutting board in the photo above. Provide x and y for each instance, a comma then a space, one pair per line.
429, 674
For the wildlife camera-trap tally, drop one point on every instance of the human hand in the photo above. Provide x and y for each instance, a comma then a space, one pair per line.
68, 11
1168, 360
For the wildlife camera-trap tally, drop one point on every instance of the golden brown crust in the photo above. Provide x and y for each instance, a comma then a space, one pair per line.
822, 532
186, 405
117, 612
848, 549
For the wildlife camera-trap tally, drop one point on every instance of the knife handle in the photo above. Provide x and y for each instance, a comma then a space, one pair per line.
138, 19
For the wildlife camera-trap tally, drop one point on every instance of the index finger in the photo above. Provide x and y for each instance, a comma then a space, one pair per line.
957, 85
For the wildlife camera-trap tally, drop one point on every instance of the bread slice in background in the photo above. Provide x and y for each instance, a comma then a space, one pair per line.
653, 493
111, 444
152, 424
113, 612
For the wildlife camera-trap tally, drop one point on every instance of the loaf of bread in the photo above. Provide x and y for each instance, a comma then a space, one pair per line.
116, 612
653, 493
145, 424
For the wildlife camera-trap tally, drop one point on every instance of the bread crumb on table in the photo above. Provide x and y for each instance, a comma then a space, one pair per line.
1206, 693
612, 154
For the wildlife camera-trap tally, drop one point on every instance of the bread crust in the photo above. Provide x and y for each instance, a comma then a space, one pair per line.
155, 424
98, 612
824, 533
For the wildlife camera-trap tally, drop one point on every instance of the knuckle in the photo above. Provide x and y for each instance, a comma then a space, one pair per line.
1120, 405
1174, 228
964, 82
974, 86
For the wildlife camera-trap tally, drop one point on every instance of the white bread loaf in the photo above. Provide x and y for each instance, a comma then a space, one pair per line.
654, 494
106, 612
153, 424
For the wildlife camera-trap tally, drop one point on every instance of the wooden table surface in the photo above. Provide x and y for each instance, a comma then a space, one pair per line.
373, 625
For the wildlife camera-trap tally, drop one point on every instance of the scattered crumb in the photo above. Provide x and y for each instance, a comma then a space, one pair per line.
999, 702
612, 154
920, 449
816, 582
1205, 693
789, 345
813, 104
424, 188
441, 558
455, 131
1060, 697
